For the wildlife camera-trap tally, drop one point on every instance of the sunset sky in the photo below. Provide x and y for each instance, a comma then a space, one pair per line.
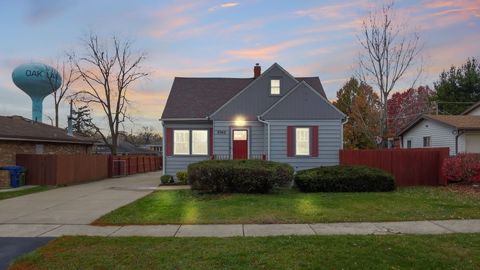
222, 39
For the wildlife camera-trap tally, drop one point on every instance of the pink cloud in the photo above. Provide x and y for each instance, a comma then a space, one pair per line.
264, 53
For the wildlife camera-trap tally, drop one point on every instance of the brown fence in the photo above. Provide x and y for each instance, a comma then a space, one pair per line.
410, 167
72, 169
63, 169
126, 165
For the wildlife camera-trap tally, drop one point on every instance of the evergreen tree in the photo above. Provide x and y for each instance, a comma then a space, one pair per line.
458, 88
82, 121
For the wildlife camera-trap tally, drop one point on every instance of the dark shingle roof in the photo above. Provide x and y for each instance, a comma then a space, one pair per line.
200, 97
23, 129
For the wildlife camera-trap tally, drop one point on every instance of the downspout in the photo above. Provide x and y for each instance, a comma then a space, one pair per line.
344, 121
164, 157
457, 134
268, 135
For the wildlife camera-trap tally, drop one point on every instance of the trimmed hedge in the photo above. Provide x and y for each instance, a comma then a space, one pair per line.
344, 179
243, 176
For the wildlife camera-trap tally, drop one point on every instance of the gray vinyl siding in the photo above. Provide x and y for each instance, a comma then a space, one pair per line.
329, 143
222, 134
256, 98
440, 135
173, 164
303, 103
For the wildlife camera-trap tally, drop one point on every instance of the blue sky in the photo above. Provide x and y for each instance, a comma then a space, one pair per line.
221, 39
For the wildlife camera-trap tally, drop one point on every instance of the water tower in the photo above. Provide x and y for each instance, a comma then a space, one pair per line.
37, 81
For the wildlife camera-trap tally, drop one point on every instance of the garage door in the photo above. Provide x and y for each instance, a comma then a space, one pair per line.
472, 144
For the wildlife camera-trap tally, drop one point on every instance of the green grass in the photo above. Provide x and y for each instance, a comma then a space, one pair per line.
12, 194
187, 207
454, 251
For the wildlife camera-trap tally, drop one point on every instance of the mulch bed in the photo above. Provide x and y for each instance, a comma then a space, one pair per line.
472, 190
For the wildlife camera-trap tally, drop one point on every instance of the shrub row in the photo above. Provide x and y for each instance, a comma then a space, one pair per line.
344, 179
244, 176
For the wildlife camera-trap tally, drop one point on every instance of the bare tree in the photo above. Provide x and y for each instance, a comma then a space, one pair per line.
389, 49
108, 69
69, 76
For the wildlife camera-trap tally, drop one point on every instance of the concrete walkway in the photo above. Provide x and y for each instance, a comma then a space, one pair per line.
78, 204
227, 230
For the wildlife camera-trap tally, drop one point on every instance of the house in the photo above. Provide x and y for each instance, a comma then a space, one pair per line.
19, 135
156, 147
272, 116
124, 147
460, 133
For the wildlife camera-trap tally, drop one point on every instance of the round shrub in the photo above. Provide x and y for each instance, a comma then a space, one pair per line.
243, 176
344, 179
182, 177
166, 179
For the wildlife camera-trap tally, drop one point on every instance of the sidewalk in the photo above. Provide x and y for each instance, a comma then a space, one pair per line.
228, 230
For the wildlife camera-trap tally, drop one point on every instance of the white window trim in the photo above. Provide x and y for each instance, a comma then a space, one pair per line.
207, 142
276, 87
190, 142
309, 146
175, 153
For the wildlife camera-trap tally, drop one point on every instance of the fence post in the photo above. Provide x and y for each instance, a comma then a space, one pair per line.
110, 166
442, 155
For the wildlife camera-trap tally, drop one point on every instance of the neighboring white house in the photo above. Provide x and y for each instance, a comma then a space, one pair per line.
460, 133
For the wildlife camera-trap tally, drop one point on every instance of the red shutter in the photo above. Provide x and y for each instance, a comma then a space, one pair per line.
290, 149
210, 142
314, 144
169, 142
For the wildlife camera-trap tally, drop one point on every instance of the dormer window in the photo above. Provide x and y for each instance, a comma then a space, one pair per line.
275, 87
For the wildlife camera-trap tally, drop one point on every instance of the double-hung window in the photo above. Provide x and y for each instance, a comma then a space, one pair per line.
190, 142
275, 87
302, 141
181, 142
426, 141
199, 142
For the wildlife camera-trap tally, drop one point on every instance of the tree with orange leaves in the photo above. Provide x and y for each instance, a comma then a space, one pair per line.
363, 108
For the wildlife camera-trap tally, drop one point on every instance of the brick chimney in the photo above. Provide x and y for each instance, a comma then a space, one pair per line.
257, 70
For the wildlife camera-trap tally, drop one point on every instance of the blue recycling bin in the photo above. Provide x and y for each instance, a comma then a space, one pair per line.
15, 174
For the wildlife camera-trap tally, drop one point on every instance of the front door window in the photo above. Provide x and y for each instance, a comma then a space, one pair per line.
240, 144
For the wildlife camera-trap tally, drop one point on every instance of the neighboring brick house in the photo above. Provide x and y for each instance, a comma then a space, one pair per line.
19, 135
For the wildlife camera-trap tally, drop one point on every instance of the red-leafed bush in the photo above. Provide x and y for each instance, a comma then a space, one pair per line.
462, 168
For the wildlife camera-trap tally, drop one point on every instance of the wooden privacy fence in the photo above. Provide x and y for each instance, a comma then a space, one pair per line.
63, 169
72, 169
126, 165
410, 167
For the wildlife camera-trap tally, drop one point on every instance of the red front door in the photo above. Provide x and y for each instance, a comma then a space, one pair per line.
240, 144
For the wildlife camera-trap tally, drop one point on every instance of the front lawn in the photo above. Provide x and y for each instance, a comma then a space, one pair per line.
10, 194
454, 251
187, 207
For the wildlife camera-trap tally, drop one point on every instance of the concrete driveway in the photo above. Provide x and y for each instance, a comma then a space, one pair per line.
79, 204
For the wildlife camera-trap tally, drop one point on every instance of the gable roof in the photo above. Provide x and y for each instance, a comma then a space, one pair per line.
464, 122
17, 128
471, 108
197, 98
332, 108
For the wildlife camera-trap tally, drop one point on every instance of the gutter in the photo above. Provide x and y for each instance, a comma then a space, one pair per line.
268, 135
47, 141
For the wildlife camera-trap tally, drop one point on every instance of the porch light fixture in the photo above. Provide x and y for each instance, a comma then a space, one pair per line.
240, 121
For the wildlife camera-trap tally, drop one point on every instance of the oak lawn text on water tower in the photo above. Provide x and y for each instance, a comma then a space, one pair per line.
38, 81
